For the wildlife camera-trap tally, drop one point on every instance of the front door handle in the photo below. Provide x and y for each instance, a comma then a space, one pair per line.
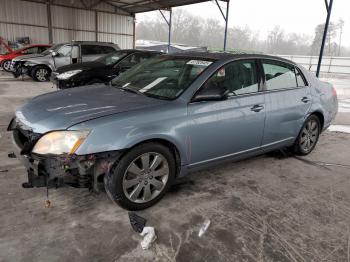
257, 108
305, 99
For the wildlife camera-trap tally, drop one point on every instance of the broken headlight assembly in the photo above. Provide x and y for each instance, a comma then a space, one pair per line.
60, 142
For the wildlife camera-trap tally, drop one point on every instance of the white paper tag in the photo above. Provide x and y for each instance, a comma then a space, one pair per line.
199, 62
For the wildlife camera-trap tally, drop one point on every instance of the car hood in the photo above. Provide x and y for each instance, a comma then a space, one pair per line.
80, 66
63, 109
25, 57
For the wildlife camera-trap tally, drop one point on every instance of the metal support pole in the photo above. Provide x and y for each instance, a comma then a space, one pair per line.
169, 36
226, 23
169, 25
225, 18
134, 32
49, 21
329, 10
96, 26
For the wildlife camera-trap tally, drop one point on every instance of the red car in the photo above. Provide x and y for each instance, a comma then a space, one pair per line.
5, 60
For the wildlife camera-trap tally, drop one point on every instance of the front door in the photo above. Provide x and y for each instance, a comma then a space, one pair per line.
287, 99
63, 56
233, 126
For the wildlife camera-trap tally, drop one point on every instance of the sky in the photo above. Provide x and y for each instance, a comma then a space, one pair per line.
297, 16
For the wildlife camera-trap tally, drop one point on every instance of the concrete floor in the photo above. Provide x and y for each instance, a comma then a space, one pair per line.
262, 209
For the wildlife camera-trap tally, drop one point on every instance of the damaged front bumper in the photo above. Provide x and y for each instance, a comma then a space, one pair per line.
83, 171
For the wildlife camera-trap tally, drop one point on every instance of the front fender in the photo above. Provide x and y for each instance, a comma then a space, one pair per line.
120, 132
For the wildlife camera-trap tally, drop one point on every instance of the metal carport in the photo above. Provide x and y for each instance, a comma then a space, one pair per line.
122, 8
138, 6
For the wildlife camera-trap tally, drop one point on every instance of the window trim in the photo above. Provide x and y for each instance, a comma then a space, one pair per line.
302, 76
259, 77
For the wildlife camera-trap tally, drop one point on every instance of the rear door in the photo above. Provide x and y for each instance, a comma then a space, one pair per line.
287, 99
226, 128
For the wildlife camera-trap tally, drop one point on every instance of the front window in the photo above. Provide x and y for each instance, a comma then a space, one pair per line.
54, 48
162, 77
65, 51
238, 77
112, 58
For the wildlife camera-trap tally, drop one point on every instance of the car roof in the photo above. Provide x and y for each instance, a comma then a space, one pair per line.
226, 55
31, 45
91, 43
140, 51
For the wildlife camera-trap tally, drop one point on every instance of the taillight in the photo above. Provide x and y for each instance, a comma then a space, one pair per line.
334, 91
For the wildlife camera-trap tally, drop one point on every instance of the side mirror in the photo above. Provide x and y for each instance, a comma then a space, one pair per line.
212, 93
54, 54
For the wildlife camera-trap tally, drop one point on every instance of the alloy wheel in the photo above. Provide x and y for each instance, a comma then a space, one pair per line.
41, 74
146, 177
309, 135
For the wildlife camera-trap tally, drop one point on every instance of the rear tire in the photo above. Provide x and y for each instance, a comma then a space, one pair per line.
41, 73
141, 177
308, 136
6, 65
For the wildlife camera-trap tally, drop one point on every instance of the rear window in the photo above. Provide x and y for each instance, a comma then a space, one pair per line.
92, 50
107, 49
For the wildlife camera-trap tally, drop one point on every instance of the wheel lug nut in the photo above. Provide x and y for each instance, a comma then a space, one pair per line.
146, 182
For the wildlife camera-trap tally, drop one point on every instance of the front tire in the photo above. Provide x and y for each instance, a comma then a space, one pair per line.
141, 177
41, 73
6, 65
308, 136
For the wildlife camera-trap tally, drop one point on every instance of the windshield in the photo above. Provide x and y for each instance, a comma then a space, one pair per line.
112, 58
54, 48
162, 77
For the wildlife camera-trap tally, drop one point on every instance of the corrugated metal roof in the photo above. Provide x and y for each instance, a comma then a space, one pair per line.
124, 6
138, 6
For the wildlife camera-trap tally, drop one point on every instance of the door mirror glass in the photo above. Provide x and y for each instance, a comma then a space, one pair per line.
213, 92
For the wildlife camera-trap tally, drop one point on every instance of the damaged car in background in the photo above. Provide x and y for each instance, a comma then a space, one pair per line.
101, 70
166, 117
41, 66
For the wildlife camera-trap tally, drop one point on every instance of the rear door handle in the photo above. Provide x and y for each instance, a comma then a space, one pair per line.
257, 108
305, 99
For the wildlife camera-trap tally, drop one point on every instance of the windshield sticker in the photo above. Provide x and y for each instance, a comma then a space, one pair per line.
199, 62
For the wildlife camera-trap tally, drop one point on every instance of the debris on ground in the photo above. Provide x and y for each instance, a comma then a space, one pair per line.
204, 228
149, 236
4, 170
47, 204
137, 222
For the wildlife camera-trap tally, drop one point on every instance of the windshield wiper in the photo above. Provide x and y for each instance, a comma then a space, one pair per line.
131, 90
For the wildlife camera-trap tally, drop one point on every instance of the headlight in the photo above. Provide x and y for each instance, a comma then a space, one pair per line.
68, 74
60, 142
